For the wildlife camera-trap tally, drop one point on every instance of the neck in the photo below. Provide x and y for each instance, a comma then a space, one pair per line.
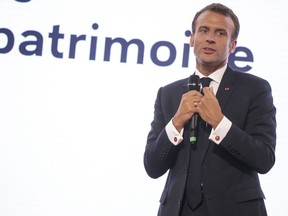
206, 70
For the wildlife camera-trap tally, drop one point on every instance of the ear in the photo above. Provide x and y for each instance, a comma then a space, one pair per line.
232, 46
191, 40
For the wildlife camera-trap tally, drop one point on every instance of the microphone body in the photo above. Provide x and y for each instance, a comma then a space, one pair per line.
194, 84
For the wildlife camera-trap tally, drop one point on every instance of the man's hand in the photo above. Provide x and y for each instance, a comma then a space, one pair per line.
209, 108
188, 106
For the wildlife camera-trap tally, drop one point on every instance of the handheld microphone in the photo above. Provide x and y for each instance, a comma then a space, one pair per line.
193, 84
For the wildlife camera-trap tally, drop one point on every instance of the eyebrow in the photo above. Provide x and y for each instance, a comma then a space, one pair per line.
217, 29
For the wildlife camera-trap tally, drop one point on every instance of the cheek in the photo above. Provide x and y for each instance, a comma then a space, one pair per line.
227, 49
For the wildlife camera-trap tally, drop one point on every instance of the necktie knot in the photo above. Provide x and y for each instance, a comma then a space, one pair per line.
205, 81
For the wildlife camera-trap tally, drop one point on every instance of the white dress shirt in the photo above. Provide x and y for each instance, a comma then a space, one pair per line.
223, 127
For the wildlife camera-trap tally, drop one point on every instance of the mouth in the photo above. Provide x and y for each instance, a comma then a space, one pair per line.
209, 50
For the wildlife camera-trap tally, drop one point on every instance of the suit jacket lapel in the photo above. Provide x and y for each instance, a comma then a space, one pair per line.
226, 87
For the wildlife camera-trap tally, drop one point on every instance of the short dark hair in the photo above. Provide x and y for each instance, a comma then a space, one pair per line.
221, 9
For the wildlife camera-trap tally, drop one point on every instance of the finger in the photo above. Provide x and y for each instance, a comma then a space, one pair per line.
195, 93
208, 91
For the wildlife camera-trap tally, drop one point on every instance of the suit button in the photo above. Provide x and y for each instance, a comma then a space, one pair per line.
185, 171
179, 201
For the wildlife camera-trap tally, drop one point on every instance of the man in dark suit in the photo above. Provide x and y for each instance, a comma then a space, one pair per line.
218, 174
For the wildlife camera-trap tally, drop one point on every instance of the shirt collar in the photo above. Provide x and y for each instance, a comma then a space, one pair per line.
216, 76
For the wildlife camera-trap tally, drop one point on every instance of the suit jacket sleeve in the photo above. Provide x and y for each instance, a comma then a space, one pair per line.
160, 154
252, 137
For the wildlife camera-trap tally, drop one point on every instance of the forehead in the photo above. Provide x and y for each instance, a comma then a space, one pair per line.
215, 20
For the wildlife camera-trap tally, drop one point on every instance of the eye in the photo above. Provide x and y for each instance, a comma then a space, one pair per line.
220, 33
203, 30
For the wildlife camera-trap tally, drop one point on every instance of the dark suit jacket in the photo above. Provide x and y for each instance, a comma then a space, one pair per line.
231, 168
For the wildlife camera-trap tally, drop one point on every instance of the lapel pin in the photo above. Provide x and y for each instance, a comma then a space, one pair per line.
227, 89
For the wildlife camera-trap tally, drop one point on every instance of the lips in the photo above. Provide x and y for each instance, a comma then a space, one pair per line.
208, 50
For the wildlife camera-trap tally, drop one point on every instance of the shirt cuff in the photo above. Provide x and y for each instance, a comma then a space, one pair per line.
173, 135
220, 131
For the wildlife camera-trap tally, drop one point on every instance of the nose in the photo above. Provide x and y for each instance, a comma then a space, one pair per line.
210, 38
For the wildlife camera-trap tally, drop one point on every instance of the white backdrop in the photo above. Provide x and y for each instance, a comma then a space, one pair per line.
73, 129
